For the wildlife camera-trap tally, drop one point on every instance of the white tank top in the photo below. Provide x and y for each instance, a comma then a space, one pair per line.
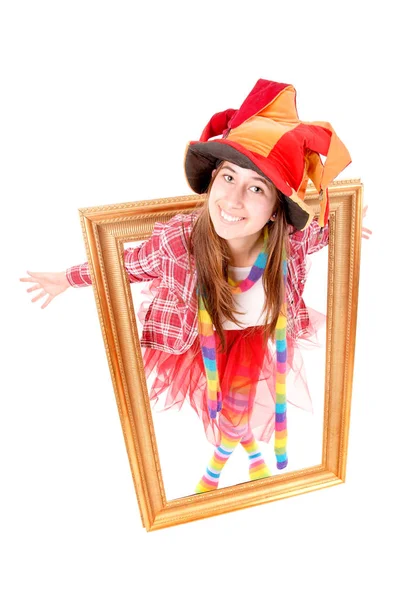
251, 302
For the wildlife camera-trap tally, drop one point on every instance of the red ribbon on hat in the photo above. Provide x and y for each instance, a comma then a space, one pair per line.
218, 124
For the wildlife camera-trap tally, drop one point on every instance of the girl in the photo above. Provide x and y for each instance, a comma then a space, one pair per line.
221, 330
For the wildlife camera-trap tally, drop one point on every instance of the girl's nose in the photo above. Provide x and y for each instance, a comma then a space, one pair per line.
235, 199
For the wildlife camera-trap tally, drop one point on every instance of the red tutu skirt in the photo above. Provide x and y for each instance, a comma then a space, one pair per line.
176, 379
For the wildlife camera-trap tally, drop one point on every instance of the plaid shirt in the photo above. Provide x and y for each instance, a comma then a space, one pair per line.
171, 320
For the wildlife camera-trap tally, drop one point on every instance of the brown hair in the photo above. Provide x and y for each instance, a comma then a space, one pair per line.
212, 255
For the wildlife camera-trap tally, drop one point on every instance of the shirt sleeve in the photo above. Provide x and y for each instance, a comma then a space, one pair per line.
142, 263
317, 238
311, 239
79, 276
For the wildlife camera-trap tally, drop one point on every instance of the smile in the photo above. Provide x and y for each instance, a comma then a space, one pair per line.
228, 218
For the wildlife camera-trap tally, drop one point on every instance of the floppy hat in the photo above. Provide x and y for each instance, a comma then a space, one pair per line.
266, 135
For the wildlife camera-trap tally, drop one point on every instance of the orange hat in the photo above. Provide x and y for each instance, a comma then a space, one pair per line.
266, 135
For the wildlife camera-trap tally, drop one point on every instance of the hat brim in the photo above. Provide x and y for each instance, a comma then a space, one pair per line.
201, 159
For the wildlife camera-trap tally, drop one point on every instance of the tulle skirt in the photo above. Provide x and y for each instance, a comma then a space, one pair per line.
246, 371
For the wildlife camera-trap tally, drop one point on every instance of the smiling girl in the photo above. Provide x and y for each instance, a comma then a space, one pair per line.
222, 328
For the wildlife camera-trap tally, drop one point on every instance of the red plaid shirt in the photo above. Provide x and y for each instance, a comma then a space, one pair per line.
171, 320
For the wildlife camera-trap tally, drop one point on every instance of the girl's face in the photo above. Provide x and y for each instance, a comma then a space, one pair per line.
240, 202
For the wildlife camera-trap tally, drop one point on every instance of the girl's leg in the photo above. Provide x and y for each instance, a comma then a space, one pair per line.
210, 479
257, 466
233, 424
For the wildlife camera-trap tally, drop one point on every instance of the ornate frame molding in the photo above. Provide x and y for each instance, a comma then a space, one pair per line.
105, 229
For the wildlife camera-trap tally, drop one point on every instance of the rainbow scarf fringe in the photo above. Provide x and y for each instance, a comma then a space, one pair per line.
208, 350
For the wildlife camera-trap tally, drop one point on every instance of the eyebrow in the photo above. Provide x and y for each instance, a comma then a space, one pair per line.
255, 178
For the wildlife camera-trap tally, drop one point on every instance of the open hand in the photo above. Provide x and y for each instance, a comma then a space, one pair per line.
49, 283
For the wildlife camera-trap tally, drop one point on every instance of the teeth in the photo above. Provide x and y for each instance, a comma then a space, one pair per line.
229, 218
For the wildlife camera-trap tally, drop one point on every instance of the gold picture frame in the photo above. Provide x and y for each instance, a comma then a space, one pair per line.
105, 230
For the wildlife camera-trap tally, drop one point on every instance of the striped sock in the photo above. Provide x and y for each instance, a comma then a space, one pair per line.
257, 467
210, 479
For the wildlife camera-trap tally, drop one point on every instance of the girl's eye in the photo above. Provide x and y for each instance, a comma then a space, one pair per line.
229, 179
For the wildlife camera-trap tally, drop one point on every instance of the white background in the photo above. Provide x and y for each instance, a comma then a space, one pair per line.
98, 101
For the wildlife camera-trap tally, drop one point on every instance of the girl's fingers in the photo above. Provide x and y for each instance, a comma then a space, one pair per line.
49, 299
36, 276
366, 230
33, 288
33, 277
39, 296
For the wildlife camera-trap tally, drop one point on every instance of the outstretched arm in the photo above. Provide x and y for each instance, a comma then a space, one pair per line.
309, 240
317, 239
142, 263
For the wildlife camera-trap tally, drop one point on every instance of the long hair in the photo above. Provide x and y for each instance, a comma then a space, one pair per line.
212, 256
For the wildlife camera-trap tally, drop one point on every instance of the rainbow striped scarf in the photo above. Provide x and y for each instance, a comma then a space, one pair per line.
208, 350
